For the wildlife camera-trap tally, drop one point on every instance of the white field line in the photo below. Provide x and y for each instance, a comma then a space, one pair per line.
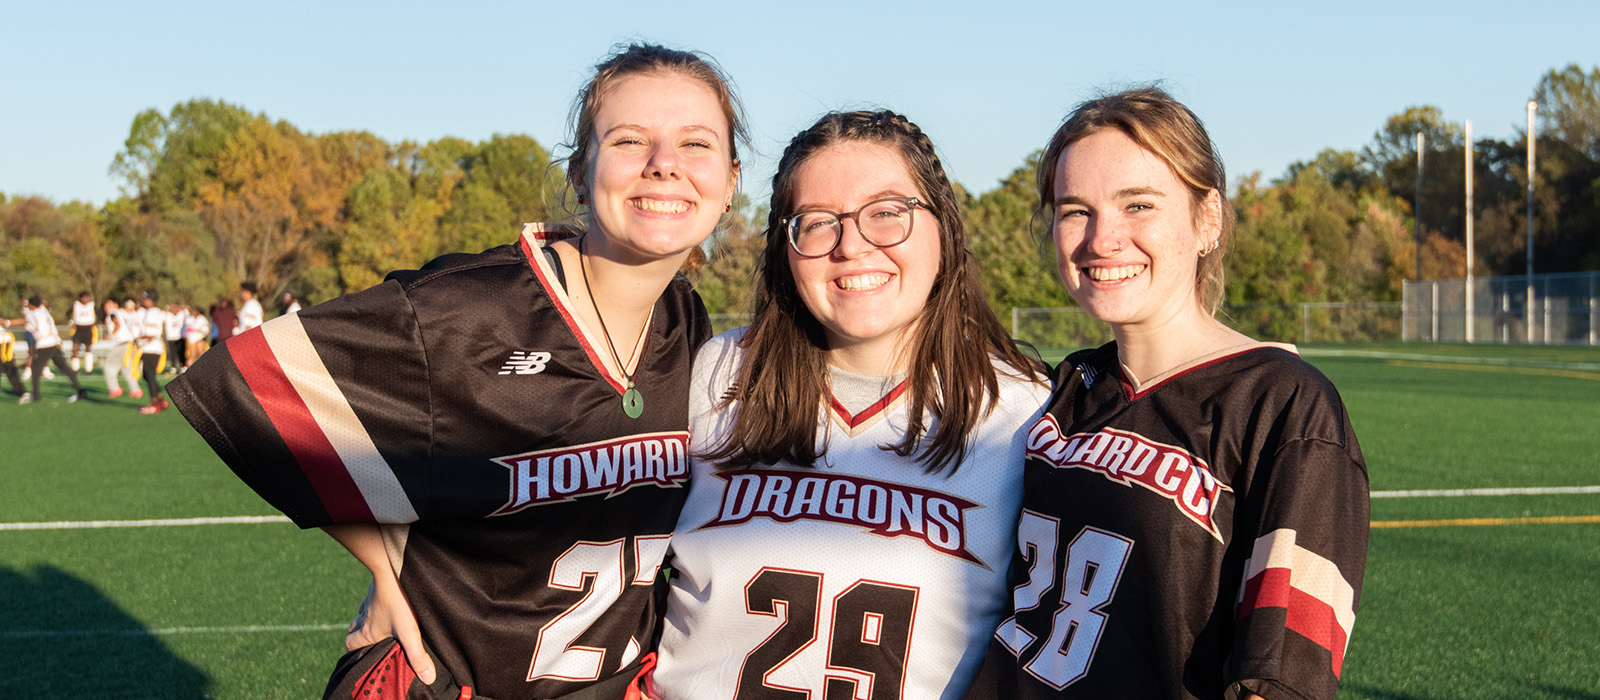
1449, 359
257, 519
164, 631
1530, 491
171, 522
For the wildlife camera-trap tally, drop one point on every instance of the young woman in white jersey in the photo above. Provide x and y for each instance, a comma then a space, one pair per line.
855, 449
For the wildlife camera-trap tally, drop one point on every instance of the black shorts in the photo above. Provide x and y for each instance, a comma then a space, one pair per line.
83, 335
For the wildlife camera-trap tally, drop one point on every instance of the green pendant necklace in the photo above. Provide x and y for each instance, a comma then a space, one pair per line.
632, 400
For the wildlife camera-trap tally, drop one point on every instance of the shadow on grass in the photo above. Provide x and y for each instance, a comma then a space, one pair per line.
62, 637
1569, 693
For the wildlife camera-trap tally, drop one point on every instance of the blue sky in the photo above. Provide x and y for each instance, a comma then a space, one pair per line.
1275, 82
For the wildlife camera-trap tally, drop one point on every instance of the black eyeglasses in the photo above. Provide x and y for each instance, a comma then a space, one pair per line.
883, 222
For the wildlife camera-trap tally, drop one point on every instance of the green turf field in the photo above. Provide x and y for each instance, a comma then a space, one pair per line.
1503, 607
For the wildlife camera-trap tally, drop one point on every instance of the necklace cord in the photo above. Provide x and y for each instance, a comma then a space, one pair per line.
584, 271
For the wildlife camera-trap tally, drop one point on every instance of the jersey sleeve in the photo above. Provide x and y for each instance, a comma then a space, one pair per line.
1307, 517
324, 413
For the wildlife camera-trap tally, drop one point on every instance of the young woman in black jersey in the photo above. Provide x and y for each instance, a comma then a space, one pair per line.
1195, 514
500, 437
855, 486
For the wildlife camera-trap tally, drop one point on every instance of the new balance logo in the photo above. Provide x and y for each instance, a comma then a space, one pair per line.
525, 362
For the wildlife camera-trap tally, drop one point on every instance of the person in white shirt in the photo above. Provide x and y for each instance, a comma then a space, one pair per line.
46, 347
196, 336
83, 331
250, 314
148, 327
291, 305
177, 316
117, 365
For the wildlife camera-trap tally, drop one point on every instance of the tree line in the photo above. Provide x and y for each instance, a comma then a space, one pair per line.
214, 195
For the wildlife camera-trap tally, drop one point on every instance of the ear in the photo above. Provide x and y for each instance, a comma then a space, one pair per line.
1209, 226
733, 184
578, 185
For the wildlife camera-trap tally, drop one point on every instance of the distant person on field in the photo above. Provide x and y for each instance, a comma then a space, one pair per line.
8, 363
224, 319
149, 326
250, 313
196, 336
117, 365
177, 316
291, 305
83, 332
46, 348
27, 338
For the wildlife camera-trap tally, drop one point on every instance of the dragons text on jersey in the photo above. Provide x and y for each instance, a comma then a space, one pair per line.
882, 507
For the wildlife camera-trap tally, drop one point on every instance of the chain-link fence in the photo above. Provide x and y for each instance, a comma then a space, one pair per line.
1553, 309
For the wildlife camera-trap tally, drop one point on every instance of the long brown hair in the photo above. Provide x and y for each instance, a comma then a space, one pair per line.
1168, 129
783, 377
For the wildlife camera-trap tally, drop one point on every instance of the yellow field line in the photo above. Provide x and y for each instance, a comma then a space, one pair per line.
1460, 522
1498, 369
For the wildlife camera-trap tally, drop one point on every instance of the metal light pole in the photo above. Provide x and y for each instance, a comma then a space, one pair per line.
1416, 208
1533, 107
1469, 231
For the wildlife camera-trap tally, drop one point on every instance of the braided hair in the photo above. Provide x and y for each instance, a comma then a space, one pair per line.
783, 378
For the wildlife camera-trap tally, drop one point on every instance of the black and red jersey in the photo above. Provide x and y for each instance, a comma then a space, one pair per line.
463, 407
1200, 537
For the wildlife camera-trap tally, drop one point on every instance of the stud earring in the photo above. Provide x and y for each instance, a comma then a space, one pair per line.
582, 200
727, 208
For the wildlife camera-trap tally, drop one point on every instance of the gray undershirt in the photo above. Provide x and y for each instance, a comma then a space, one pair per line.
857, 391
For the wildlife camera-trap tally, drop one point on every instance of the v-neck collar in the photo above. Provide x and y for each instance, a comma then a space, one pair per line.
1135, 389
535, 236
856, 424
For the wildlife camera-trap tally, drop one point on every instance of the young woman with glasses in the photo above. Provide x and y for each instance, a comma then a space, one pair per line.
516, 420
1194, 518
855, 449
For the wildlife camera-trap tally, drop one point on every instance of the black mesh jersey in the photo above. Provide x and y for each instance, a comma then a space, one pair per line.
463, 406
1201, 537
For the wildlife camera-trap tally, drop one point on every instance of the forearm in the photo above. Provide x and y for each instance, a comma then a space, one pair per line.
365, 542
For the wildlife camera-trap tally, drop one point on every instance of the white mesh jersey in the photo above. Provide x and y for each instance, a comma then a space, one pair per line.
148, 325
250, 315
118, 326
862, 578
43, 328
83, 314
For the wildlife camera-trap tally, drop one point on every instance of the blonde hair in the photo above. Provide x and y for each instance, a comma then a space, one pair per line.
636, 59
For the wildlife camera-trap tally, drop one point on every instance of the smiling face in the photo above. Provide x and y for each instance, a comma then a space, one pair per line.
661, 169
1125, 230
866, 298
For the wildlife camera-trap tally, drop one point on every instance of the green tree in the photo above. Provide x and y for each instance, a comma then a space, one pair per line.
1014, 253
725, 284
1569, 107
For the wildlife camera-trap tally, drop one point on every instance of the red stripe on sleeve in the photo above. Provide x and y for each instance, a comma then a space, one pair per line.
299, 430
1315, 621
1307, 615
